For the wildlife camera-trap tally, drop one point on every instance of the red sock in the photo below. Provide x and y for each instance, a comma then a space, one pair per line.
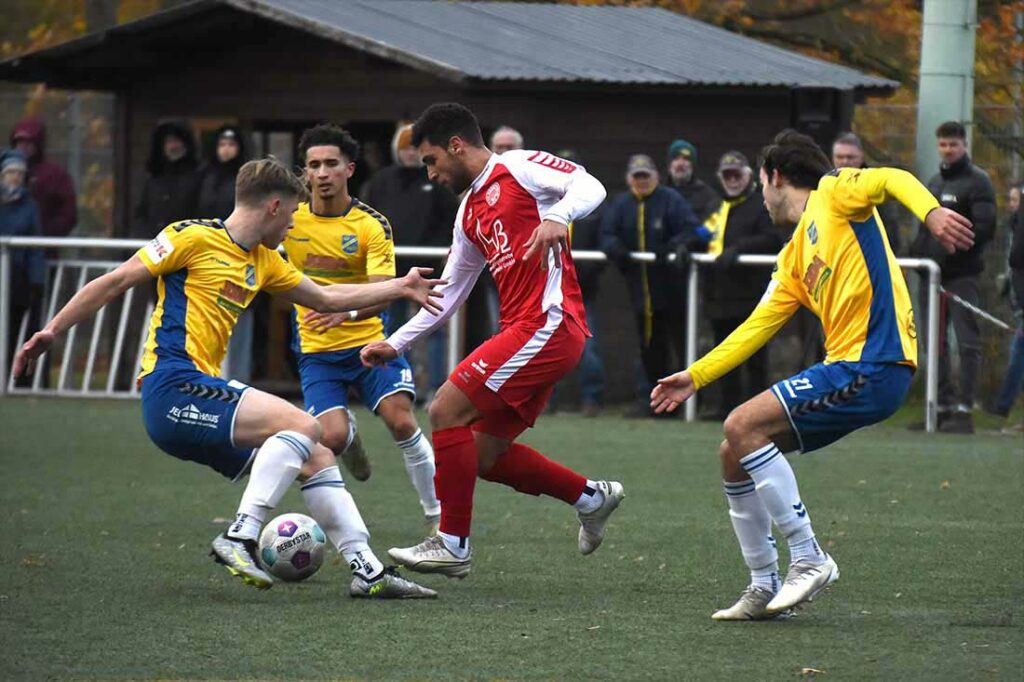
455, 460
530, 472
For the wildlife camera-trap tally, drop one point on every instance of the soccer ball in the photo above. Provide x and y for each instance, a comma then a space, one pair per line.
292, 547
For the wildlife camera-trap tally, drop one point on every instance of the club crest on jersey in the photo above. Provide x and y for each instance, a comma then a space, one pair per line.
250, 276
493, 194
349, 244
812, 233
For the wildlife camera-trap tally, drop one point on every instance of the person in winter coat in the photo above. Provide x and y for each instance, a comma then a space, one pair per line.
217, 177
651, 217
966, 189
49, 183
682, 160
171, 190
741, 224
1013, 378
19, 217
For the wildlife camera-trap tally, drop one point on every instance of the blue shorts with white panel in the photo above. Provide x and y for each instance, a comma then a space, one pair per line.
191, 415
326, 378
828, 401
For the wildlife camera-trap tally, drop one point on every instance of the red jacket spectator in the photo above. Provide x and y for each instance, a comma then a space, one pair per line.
49, 183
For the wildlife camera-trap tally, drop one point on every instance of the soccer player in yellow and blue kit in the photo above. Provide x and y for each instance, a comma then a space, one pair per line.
339, 239
208, 272
838, 264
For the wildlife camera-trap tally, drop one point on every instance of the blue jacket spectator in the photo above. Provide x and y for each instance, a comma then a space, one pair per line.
19, 217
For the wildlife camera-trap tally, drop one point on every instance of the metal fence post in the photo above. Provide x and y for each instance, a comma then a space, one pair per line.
692, 298
5, 311
932, 370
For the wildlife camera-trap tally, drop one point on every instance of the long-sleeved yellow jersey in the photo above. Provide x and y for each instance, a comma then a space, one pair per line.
839, 265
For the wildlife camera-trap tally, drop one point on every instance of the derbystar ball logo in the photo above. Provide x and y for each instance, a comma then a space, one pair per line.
287, 528
190, 414
493, 194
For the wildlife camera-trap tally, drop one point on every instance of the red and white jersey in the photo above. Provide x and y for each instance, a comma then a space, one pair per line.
507, 201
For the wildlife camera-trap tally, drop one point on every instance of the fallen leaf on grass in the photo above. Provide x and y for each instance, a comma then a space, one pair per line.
811, 671
944, 485
594, 627
34, 560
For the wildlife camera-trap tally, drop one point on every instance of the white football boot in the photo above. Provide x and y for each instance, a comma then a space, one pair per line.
804, 581
750, 606
432, 556
592, 523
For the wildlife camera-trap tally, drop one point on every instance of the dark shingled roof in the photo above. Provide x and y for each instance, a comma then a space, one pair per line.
505, 41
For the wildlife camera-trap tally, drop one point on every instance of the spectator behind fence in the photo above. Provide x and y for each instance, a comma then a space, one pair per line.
506, 139
848, 152
217, 176
19, 217
421, 213
171, 190
963, 187
49, 183
1013, 381
740, 225
216, 199
651, 217
682, 161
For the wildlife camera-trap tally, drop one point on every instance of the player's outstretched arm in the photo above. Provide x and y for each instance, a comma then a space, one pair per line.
862, 188
82, 305
342, 297
672, 391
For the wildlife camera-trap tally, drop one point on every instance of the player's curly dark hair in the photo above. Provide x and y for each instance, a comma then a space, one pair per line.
797, 157
444, 120
328, 134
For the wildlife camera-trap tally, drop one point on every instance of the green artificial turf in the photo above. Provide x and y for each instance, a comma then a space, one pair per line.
104, 570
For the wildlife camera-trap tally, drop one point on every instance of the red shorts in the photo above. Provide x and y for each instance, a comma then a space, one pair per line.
510, 377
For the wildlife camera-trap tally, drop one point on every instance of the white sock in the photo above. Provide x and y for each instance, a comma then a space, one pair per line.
753, 526
276, 465
334, 509
776, 486
419, 463
591, 498
459, 546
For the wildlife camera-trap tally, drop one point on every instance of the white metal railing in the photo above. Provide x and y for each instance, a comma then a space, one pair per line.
455, 337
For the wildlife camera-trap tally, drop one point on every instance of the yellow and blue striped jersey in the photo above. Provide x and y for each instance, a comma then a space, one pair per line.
839, 265
346, 249
205, 282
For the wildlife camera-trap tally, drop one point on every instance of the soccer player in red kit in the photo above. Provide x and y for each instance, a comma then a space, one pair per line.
514, 219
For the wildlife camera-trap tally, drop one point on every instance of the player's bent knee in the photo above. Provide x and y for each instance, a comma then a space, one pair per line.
307, 425
335, 440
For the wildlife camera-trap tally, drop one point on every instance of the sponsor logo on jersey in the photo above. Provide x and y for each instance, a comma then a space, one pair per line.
193, 416
350, 244
232, 297
159, 248
250, 275
317, 265
493, 194
480, 366
817, 274
948, 198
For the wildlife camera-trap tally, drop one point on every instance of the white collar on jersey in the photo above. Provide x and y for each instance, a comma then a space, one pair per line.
484, 174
